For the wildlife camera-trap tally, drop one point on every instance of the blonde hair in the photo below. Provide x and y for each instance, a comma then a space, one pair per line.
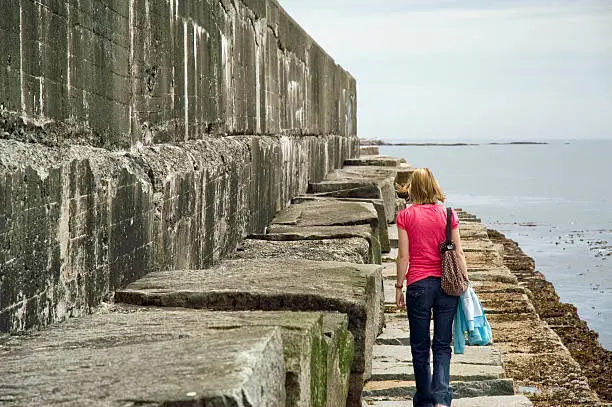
423, 187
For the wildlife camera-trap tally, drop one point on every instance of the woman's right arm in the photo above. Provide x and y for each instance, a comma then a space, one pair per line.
456, 238
401, 266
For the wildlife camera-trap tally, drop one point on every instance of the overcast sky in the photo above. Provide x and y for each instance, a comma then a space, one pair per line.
467, 69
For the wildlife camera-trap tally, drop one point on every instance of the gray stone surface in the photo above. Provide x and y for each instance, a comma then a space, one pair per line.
275, 284
352, 250
221, 367
493, 401
289, 233
375, 160
328, 213
76, 223
405, 389
361, 182
340, 353
305, 346
379, 205
369, 150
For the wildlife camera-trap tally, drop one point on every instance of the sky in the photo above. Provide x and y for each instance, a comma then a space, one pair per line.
471, 69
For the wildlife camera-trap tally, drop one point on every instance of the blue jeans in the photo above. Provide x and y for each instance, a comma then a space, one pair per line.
421, 297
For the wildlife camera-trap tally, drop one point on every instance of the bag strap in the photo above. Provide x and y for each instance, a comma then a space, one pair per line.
449, 217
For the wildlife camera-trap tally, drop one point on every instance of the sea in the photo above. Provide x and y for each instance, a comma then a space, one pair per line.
554, 200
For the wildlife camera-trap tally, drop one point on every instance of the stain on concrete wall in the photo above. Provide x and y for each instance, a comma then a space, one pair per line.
141, 135
156, 71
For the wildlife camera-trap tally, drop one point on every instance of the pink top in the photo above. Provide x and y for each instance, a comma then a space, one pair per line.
426, 227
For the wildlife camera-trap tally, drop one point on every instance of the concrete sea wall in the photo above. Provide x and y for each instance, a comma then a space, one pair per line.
142, 135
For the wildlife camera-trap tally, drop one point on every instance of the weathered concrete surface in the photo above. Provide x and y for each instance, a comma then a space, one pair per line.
399, 389
394, 362
306, 351
155, 72
352, 250
379, 205
220, 367
368, 150
290, 233
330, 213
78, 222
276, 284
487, 401
340, 354
375, 160
361, 182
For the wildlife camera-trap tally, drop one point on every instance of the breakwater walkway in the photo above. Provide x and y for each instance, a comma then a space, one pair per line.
302, 315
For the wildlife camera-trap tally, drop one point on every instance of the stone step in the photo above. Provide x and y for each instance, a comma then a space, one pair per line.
395, 389
136, 367
277, 284
394, 362
489, 401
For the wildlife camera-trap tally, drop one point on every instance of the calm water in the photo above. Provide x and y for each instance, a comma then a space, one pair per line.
555, 200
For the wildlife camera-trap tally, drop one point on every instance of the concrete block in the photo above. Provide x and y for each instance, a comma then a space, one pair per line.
289, 233
361, 182
275, 284
340, 354
375, 160
379, 205
331, 213
369, 150
351, 250
138, 368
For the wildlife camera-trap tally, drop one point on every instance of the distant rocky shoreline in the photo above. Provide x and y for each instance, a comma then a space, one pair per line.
375, 142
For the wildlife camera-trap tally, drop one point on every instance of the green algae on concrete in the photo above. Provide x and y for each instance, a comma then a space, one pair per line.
340, 355
302, 336
276, 284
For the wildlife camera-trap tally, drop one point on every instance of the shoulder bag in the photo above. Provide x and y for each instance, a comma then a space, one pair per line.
454, 281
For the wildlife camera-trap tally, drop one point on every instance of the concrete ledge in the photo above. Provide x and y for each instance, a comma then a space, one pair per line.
375, 160
379, 205
352, 249
275, 284
405, 389
360, 182
288, 233
494, 401
230, 365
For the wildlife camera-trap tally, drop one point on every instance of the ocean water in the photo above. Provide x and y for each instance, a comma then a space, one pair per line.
554, 200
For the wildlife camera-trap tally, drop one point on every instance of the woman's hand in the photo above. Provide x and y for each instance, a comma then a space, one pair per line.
400, 301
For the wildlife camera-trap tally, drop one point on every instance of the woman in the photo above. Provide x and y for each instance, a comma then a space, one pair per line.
422, 227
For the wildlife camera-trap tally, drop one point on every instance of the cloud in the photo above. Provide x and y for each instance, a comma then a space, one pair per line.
453, 68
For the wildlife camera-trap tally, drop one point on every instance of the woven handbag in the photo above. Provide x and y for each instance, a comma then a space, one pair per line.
454, 281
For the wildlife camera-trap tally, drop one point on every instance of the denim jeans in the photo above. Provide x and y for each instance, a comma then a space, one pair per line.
421, 297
